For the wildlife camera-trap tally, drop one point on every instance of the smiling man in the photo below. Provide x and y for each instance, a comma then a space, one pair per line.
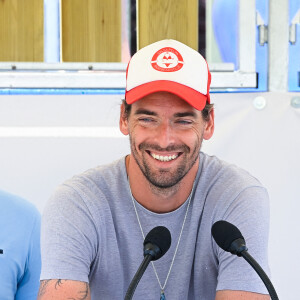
94, 225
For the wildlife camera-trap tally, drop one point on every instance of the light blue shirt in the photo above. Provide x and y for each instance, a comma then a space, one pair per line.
20, 262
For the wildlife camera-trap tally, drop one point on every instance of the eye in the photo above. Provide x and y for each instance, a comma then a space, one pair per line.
184, 122
146, 120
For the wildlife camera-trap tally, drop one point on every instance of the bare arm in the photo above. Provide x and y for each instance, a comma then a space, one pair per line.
240, 295
60, 289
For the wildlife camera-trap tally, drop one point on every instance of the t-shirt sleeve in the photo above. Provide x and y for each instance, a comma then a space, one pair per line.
28, 286
250, 213
68, 237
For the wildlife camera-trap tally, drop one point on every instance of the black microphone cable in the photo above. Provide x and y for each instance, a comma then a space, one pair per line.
230, 239
157, 242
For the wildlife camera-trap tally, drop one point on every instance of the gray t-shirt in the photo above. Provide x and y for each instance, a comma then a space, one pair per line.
90, 233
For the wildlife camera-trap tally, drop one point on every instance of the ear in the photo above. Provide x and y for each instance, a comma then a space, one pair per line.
123, 123
209, 126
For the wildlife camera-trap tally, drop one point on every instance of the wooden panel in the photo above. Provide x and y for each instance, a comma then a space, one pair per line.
91, 30
161, 19
22, 30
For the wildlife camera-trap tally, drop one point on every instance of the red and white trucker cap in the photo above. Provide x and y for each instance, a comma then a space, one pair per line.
169, 66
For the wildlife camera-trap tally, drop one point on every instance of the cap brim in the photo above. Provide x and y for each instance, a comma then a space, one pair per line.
191, 96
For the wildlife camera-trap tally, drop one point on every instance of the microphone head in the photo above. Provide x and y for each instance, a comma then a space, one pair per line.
225, 234
159, 241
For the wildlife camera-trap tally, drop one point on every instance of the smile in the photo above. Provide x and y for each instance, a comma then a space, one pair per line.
164, 157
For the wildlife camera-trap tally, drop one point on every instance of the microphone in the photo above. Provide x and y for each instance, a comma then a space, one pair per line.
157, 242
230, 239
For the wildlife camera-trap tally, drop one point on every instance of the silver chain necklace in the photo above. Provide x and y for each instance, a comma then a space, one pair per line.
162, 287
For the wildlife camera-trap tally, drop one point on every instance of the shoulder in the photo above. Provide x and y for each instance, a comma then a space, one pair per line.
21, 221
90, 191
217, 172
102, 176
228, 187
234, 195
13, 205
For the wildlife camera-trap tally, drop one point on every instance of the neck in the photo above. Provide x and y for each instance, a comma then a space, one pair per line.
158, 200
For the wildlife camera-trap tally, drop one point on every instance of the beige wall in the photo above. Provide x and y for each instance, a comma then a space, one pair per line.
21, 30
91, 30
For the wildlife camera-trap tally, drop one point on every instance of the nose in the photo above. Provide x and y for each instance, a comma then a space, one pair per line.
165, 135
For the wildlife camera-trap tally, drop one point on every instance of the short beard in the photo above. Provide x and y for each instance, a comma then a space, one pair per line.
165, 184
157, 183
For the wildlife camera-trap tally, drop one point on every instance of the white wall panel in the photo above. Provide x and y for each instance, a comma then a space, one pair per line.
266, 142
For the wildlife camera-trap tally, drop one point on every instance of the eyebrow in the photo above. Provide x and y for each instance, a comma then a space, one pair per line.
145, 112
185, 114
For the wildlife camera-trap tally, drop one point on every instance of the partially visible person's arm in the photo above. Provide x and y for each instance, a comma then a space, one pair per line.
29, 284
60, 289
240, 295
68, 247
249, 212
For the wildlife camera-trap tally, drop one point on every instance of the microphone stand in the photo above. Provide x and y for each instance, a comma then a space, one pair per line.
137, 277
261, 274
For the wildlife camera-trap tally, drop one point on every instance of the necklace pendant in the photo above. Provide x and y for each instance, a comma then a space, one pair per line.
162, 295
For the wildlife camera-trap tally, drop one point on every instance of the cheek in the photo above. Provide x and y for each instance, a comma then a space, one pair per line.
132, 130
139, 132
133, 127
137, 135
196, 135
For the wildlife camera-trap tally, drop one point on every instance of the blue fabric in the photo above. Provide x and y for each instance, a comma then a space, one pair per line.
225, 26
20, 262
225, 22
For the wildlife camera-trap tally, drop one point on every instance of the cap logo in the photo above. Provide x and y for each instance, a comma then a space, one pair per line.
167, 60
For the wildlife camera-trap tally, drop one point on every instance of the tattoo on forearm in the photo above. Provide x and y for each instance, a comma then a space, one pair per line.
58, 283
85, 291
43, 287
82, 294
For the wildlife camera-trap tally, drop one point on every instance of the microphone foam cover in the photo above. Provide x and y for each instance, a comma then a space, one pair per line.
161, 237
225, 233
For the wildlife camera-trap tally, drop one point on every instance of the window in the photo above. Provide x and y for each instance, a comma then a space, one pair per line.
86, 45
294, 46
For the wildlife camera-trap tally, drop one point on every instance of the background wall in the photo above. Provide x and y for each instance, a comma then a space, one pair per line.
47, 139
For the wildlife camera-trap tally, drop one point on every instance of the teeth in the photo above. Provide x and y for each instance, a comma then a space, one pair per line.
164, 158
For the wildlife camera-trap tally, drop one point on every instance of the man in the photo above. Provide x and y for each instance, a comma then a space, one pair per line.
94, 225
20, 259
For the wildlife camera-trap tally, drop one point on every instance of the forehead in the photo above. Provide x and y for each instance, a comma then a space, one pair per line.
163, 101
